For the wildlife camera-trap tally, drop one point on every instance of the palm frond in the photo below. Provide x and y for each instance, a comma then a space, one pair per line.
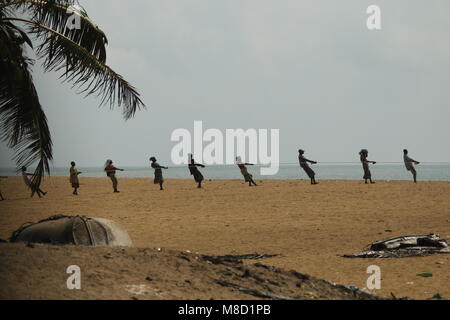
87, 73
22, 121
14, 34
57, 15
6, 8
78, 54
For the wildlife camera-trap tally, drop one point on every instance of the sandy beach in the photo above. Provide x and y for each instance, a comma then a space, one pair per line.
309, 227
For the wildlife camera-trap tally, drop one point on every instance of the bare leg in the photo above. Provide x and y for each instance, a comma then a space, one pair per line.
75, 192
115, 183
414, 173
371, 181
199, 185
161, 186
254, 183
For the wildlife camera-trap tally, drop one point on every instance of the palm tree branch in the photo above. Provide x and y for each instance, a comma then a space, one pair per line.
90, 75
22, 120
11, 3
57, 15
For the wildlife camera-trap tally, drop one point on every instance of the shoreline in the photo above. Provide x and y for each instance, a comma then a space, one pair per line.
233, 179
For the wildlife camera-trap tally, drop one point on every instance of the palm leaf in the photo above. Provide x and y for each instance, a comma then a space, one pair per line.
79, 56
22, 120
87, 73
55, 14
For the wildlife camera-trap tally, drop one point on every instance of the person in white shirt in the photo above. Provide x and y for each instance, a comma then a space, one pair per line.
30, 184
409, 164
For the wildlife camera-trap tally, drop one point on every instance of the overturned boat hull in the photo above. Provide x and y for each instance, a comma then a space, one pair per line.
76, 230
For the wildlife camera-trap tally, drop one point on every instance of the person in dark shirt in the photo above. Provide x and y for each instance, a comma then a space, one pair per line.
363, 154
198, 177
158, 173
304, 164
110, 170
247, 176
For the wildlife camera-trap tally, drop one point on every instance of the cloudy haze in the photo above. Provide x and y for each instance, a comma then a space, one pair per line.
309, 68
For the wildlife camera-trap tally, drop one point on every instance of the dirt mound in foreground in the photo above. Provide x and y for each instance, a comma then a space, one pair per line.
39, 272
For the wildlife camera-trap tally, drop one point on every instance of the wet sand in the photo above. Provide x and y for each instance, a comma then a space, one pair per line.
308, 226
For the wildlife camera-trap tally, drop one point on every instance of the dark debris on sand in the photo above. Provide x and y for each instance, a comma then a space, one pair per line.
145, 273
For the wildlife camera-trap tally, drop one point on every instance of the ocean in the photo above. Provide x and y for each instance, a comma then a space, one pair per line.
426, 172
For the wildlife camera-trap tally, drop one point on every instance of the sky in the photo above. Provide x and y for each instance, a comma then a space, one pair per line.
311, 69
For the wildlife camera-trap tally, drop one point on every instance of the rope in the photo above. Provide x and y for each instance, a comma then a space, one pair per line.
319, 163
443, 163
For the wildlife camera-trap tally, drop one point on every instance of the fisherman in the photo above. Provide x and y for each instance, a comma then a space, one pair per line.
30, 184
74, 178
363, 154
247, 176
409, 164
198, 177
158, 173
110, 170
304, 164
